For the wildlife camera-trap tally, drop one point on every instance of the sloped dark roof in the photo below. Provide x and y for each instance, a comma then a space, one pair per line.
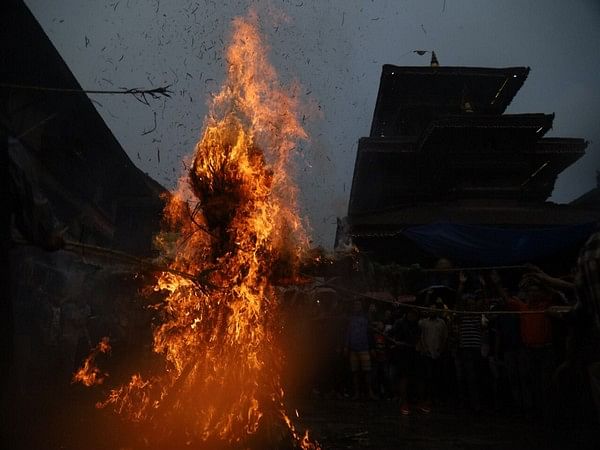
496, 163
509, 127
488, 90
81, 165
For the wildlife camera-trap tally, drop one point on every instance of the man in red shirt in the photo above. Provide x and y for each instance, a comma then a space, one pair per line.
537, 357
536, 328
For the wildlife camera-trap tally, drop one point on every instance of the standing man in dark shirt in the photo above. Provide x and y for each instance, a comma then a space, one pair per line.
507, 344
381, 361
468, 356
405, 333
432, 343
358, 347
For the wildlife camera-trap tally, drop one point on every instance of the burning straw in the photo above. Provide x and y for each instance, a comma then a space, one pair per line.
234, 220
89, 374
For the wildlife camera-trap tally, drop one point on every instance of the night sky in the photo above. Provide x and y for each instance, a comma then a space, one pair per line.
335, 50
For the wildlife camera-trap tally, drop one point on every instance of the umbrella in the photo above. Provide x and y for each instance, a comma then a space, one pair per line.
447, 294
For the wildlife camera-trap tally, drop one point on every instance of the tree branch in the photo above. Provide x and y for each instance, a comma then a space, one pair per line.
138, 93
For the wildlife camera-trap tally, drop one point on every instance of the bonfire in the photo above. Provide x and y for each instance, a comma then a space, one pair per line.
232, 223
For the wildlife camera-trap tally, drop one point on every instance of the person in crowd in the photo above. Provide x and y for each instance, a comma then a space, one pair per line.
536, 361
468, 356
372, 314
431, 344
326, 330
507, 343
381, 361
494, 360
493, 366
339, 371
405, 334
583, 344
357, 348
298, 341
442, 275
388, 321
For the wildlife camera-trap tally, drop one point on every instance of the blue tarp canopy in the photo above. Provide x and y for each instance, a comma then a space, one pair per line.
482, 245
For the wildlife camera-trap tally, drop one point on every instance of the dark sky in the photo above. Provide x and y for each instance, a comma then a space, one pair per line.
335, 49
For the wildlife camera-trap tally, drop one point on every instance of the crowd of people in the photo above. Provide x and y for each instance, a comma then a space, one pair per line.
469, 341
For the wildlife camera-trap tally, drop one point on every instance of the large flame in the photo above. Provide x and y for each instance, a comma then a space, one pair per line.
233, 224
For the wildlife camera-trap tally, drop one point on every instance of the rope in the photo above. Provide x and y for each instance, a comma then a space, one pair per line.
116, 255
472, 269
79, 248
429, 309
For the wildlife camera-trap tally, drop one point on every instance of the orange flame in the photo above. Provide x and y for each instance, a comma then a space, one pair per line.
233, 223
89, 374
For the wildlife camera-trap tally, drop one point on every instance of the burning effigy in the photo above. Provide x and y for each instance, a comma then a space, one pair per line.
232, 224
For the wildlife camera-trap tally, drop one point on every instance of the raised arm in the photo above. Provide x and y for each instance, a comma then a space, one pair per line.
553, 282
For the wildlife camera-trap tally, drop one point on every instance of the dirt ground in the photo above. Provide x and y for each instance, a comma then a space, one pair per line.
36, 418
344, 424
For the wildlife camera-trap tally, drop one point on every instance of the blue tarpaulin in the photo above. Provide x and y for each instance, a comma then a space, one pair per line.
481, 245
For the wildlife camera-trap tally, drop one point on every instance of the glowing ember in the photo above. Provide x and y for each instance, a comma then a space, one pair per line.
232, 223
89, 374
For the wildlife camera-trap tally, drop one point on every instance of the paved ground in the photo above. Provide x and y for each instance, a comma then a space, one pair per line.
378, 425
72, 424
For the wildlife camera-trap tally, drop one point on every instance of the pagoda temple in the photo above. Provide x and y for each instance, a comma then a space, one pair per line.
444, 169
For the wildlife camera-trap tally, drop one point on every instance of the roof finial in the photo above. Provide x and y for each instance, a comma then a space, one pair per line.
434, 60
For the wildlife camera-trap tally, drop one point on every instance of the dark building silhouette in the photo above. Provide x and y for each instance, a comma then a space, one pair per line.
60, 139
441, 150
60, 167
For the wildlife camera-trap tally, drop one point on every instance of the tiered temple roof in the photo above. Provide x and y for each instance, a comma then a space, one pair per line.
409, 97
441, 150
